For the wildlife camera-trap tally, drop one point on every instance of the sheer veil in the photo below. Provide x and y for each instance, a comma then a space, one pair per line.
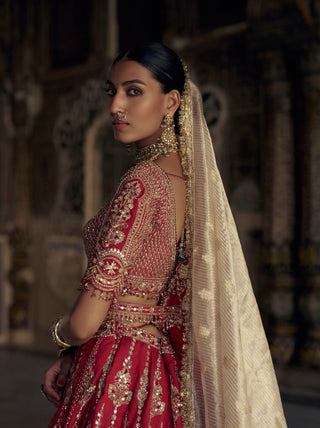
232, 378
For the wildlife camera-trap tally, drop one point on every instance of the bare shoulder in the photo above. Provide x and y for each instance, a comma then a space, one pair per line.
170, 164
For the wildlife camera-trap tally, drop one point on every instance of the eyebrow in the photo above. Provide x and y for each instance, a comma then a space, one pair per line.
127, 82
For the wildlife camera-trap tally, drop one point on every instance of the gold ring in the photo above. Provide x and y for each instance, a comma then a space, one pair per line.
43, 392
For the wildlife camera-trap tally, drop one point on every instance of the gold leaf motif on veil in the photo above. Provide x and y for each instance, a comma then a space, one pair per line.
204, 331
206, 294
242, 407
208, 258
210, 226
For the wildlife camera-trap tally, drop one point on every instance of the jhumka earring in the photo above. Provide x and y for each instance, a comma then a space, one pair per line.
168, 135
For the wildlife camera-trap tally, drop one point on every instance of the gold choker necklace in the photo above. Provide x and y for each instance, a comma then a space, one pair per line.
153, 151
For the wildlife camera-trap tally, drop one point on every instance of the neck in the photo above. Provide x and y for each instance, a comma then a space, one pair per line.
153, 151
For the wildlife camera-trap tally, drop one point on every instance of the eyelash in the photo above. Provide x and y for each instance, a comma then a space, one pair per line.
131, 92
110, 92
135, 91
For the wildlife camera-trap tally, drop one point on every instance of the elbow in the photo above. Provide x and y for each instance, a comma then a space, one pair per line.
79, 331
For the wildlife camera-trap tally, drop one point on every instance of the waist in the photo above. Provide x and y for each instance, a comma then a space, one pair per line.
163, 317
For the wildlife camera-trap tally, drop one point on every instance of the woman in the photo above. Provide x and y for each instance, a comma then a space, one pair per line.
167, 326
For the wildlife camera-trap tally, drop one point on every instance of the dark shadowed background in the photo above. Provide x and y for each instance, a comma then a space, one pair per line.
257, 64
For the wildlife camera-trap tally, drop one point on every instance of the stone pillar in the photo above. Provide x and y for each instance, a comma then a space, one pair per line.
278, 216
309, 301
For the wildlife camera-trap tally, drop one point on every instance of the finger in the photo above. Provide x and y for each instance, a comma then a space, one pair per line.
49, 384
51, 394
48, 396
64, 371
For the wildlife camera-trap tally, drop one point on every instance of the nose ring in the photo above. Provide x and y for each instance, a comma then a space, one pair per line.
121, 115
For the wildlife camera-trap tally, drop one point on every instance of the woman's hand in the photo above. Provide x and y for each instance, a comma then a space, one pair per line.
55, 378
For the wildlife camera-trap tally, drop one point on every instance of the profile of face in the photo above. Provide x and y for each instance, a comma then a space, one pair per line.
137, 103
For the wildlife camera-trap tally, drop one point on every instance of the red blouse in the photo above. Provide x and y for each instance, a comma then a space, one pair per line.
131, 244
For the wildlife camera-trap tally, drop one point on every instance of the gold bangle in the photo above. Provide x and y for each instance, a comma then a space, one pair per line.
55, 335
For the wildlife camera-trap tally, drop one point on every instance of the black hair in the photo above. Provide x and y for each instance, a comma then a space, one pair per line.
163, 63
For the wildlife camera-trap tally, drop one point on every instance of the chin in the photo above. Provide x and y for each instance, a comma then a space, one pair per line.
119, 138
122, 140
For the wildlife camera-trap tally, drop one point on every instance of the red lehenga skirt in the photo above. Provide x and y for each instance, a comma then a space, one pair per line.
125, 377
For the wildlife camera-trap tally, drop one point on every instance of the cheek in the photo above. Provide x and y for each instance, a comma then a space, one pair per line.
153, 113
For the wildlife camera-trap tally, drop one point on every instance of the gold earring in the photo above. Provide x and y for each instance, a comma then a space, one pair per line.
166, 143
168, 135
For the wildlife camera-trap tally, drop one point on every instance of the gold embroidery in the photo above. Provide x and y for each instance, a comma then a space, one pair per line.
176, 401
118, 330
157, 405
98, 421
143, 392
206, 294
106, 369
204, 331
120, 211
139, 222
164, 317
119, 392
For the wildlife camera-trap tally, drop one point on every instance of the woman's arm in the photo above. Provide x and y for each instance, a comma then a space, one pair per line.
84, 320
121, 237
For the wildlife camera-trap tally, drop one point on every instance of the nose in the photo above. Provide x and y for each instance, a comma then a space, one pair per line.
116, 104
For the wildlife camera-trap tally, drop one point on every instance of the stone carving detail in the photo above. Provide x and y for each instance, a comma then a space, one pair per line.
213, 105
69, 136
279, 209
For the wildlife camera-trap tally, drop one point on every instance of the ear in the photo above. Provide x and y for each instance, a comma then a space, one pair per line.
173, 101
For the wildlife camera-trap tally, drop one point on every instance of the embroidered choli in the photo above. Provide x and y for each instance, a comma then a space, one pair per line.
131, 244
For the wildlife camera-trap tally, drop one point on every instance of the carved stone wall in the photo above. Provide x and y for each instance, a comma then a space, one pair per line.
259, 78
279, 203
41, 76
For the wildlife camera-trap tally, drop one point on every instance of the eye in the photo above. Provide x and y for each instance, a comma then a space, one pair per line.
133, 92
110, 91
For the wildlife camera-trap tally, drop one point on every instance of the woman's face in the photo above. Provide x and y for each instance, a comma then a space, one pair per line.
133, 91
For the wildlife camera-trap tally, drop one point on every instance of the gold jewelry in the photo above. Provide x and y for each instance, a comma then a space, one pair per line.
56, 338
121, 115
168, 135
167, 142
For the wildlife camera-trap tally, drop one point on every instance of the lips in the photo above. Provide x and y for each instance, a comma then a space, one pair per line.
119, 125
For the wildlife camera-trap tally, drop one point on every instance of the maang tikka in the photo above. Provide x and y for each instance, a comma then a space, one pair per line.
167, 142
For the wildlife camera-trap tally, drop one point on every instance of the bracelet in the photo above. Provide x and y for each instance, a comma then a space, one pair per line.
56, 338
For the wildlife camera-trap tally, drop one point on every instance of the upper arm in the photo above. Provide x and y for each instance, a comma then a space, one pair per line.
87, 315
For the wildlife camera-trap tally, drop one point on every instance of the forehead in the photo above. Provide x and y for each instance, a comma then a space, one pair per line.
127, 70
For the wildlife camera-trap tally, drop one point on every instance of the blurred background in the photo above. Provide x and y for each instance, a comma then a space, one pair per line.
257, 64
